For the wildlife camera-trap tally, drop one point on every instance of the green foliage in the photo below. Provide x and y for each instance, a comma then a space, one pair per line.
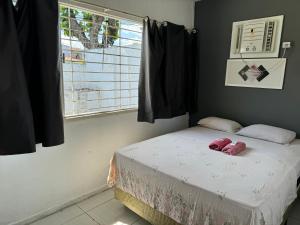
85, 23
112, 30
64, 21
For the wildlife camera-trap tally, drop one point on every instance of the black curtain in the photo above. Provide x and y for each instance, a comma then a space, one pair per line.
168, 78
30, 110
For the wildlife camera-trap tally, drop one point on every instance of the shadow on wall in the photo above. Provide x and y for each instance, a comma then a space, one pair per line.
53, 176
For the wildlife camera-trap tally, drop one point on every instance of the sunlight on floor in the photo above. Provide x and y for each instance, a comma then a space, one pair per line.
120, 223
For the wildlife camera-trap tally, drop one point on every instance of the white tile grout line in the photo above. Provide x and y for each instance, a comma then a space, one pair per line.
51, 211
73, 217
96, 205
91, 218
86, 212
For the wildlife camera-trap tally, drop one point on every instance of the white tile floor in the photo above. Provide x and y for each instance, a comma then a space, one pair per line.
103, 209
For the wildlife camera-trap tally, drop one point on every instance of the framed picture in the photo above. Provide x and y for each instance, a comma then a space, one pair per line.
256, 73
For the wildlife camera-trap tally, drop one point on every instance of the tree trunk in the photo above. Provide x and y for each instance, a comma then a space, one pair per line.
93, 41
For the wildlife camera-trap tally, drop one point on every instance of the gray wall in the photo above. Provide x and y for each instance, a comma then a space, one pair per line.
214, 20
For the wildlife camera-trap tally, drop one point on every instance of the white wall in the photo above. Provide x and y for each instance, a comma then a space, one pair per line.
33, 183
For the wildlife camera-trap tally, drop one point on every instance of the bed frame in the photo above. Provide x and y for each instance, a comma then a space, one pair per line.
157, 218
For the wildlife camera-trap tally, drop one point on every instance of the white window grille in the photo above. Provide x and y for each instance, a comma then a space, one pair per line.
101, 61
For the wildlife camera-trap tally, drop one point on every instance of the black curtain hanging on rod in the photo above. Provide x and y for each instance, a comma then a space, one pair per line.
168, 78
30, 110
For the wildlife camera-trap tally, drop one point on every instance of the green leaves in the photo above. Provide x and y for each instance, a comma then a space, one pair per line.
88, 27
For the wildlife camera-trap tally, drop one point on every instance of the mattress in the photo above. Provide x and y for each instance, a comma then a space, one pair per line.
180, 177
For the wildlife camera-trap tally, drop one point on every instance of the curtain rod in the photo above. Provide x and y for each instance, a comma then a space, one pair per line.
106, 8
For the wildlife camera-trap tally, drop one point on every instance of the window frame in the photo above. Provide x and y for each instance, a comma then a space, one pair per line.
102, 11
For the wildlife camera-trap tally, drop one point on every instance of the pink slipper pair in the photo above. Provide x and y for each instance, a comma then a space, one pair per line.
225, 145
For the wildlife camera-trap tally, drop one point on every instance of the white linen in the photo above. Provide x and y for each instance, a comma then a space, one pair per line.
268, 133
178, 175
221, 124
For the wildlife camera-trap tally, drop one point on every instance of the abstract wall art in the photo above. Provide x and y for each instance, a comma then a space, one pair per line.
256, 73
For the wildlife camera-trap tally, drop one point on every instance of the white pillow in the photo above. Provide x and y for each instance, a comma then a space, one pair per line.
268, 133
217, 123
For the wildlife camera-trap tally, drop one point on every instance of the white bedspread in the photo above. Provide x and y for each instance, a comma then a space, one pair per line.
179, 176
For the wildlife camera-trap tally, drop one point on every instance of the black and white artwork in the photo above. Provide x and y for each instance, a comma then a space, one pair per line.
256, 73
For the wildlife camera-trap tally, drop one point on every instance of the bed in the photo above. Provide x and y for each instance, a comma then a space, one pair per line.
176, 179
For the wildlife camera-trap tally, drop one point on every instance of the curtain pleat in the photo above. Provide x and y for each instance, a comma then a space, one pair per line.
30, 109
167, 86
192, 77
175, 69
16, 121
151, 91
47, 107
145, 110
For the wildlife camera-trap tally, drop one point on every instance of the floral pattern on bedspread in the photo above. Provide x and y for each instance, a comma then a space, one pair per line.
171, 203
163, 199
177, 175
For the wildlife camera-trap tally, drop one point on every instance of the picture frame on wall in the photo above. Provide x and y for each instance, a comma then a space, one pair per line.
256, 73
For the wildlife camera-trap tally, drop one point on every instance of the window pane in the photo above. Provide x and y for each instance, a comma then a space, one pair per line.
101, 61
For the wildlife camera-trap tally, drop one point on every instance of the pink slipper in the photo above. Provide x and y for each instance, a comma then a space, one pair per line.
219, 144
234, 149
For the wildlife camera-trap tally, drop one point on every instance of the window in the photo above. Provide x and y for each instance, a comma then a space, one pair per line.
101, 61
